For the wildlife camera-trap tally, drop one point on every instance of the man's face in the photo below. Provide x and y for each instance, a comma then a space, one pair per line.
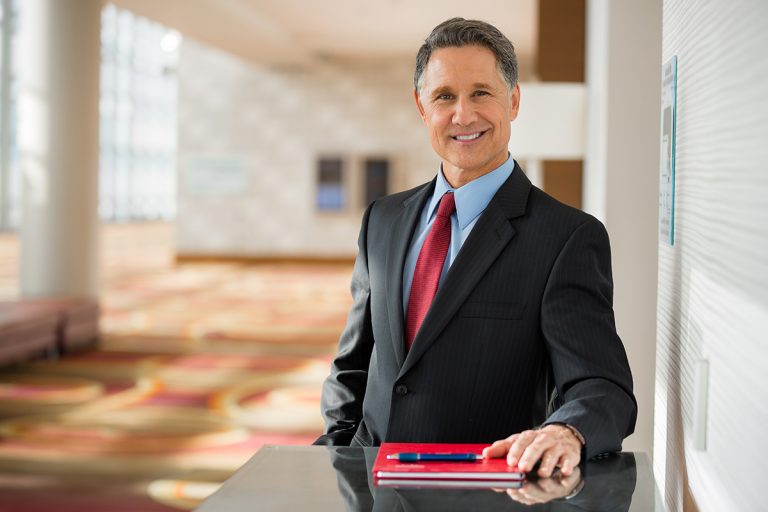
467, 107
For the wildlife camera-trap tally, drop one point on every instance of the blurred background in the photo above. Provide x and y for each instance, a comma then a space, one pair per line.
181, 187
200, 266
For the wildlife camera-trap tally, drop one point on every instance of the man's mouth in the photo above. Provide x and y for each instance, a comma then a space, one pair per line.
466, 137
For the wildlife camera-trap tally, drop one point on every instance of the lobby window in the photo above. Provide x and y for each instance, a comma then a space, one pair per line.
376, 179
137, 161
10, 176
330, 184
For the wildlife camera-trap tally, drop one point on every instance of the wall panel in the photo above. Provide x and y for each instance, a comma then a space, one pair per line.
713, 283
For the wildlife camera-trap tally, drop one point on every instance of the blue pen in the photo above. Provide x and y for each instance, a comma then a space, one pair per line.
452, 457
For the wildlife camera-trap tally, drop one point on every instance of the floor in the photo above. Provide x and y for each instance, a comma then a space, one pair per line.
199, 365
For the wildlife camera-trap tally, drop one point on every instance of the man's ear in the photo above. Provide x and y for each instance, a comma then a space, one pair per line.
419, 105
514, 102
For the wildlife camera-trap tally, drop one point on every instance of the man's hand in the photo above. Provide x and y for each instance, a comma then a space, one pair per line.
553, 445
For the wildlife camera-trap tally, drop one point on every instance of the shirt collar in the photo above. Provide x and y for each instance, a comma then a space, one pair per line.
471, 199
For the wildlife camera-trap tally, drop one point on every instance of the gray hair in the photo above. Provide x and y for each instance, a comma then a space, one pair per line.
458, 32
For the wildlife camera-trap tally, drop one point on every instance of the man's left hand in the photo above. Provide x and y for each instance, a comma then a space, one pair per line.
553, 445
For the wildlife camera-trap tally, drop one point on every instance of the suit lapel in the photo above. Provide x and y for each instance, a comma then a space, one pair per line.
491, 234
402, 232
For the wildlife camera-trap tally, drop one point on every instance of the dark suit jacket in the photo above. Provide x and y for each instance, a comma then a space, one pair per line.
526, 308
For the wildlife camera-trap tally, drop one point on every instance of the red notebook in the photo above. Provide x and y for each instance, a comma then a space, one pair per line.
480, 470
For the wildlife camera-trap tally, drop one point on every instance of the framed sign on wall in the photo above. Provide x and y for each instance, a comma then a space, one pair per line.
667, 160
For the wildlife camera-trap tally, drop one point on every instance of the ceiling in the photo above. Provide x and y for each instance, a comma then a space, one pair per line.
301, 31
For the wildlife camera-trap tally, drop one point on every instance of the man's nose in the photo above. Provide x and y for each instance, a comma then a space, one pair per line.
464, 112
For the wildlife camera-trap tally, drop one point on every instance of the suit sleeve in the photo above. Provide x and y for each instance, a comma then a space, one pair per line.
590, 366
344, 389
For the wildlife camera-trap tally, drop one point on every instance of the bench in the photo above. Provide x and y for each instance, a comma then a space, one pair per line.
34, 328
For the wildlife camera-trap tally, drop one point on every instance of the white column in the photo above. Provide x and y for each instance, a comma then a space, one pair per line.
59, 43
533, 171
621, 174
6, 62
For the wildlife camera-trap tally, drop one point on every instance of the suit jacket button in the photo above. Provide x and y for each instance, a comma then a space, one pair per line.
401, 390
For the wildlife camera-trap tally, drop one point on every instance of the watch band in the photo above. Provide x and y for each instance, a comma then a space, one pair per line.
576, 433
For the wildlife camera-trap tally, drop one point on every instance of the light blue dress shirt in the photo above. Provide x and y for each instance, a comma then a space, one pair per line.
471, 200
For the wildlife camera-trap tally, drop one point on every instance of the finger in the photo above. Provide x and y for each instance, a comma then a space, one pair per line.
568, 461
547, 490
549, 459
516, 495
499, 448
569, 483
519, 445
542, 441
571, 480
534, 493
548, 486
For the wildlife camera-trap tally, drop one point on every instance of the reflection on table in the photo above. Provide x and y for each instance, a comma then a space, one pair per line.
318, 478
604, 485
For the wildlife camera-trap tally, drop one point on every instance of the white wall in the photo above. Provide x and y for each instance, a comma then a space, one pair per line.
263, 128
621, 174
713, 283
249, 137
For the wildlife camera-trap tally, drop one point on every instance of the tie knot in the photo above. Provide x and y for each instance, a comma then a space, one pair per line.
447, 205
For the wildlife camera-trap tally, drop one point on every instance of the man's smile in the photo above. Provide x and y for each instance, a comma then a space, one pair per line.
468, 137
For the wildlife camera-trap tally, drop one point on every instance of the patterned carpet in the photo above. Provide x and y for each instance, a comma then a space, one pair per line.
199, 366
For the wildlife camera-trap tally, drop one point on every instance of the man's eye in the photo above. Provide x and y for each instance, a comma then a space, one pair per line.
481, 93
444, 97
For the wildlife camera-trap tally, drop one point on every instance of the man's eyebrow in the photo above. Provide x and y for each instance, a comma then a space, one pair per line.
443, 89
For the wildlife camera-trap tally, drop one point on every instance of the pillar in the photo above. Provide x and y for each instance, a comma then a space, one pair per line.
59, 146
621, 175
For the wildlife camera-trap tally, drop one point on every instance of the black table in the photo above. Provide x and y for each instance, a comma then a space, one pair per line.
317, 478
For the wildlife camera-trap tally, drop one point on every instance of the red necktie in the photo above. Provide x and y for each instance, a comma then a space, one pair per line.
429, 266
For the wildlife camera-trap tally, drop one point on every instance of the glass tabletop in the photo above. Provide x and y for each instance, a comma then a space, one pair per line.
318, 478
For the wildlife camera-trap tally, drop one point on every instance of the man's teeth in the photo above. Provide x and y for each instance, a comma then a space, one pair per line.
469, 137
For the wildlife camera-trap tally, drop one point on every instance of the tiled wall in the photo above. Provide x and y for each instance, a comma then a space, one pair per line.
713, 283
249, 137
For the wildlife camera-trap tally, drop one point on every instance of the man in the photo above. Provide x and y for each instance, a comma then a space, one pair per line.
482, 306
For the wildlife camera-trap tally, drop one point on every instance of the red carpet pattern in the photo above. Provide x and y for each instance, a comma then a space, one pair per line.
199, 366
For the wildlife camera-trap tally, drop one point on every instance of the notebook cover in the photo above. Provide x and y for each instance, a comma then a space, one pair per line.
484, 469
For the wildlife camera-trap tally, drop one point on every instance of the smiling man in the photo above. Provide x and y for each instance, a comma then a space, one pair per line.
482, 306
467, 107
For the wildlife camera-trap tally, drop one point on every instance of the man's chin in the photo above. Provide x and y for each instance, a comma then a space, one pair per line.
467, 166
